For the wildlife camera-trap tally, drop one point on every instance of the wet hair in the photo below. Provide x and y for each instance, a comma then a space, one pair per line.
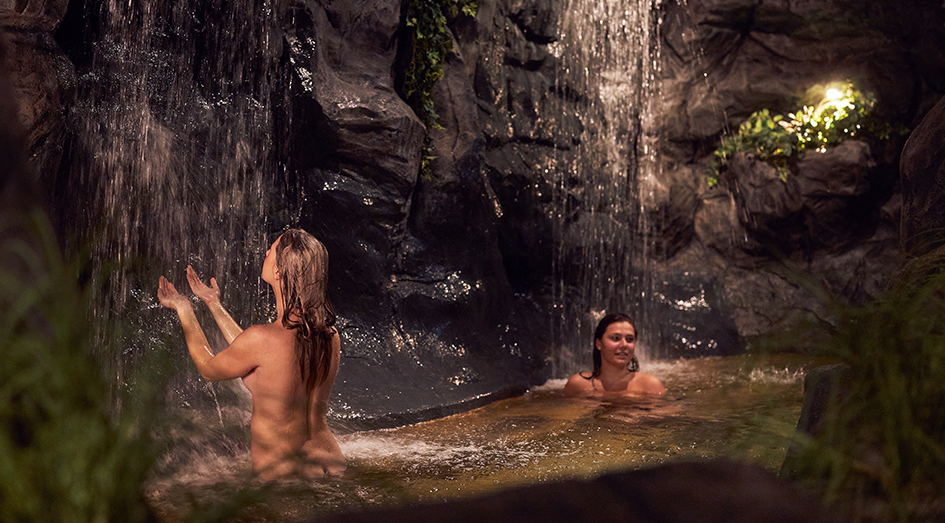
302, 261
605, 322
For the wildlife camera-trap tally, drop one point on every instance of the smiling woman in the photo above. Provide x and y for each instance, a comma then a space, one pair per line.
616, 369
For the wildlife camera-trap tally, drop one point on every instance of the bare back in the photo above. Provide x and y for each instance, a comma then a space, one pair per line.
289, 426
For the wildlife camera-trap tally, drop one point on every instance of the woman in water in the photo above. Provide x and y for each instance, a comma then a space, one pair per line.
288, 365
616, 369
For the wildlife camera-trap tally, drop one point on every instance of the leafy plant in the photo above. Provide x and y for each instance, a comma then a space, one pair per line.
66, 456
882, 448
430, 43
842, 113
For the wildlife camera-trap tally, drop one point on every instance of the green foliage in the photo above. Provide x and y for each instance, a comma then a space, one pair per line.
430, 44
883, 444
63, 455
841, 113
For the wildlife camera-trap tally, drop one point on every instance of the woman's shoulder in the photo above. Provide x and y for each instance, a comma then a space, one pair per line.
266, 333
580, 382
648, 383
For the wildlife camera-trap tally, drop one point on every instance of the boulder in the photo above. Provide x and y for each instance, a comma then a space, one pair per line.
922, 170
42, 77
824, 386
709, 491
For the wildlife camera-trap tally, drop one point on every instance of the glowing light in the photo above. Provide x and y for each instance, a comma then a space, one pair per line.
834, 94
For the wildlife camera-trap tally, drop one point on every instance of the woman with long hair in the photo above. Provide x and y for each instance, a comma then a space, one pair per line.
288, 365
616, 368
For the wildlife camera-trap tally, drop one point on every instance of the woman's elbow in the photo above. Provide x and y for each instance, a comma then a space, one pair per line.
213, 375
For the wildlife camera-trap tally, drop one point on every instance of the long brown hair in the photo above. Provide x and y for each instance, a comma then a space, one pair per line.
302, 261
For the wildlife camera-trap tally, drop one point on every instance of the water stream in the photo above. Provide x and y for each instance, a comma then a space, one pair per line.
178, 119
608, 59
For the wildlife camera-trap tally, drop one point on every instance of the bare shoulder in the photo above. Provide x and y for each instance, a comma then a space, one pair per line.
579, 383
269, 336
649, 383
259, 333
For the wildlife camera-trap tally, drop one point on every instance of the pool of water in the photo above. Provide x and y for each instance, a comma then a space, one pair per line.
743, 407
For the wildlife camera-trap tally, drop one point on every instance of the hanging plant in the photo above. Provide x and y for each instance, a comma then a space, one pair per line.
842, 113
430, 43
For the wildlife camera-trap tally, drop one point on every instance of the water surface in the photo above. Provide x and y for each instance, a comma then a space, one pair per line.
744, 407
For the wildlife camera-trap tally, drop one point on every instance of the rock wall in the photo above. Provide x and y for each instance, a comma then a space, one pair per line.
428, 314
923, 174
767, 246
42, 78
447, 280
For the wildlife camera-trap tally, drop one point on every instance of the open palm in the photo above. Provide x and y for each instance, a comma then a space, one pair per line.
207, 294
168, 295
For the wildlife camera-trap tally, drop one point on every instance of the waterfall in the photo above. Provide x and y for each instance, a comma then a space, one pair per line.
177, 145
607, 80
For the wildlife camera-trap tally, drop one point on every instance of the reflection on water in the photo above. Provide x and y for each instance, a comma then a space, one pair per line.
741, 406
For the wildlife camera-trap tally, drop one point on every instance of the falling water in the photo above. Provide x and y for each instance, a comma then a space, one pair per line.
177, 147
607, 78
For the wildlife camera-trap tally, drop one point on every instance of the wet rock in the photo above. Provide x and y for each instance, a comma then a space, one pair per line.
42, 76
717, 226
670, 202
422, 264
710, 491
767, 205
512, 70
836, 188
343, 57
823, 386
923, 174
42, 16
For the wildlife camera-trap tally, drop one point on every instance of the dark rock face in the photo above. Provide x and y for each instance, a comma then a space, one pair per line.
834, 221
455, 271
923, 174
42, 78
822, 385
418, 275
712, 491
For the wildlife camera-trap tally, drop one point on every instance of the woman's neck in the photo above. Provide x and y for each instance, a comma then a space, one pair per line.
614, 372
280, 305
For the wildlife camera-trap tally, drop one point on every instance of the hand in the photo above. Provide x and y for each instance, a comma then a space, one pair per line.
169, 297
207, 294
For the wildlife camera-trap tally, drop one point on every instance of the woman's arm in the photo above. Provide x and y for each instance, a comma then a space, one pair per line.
211, 296
235, 361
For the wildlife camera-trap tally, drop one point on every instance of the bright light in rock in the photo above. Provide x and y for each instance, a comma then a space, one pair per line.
834, 94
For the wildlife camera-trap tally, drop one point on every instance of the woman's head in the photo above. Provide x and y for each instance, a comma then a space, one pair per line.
599, 333
301, 266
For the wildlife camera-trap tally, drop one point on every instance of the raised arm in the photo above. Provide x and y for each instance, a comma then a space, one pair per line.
211, 296
233, 362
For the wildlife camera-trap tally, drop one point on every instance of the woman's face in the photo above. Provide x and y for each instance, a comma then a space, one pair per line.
617, 345
269, 264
